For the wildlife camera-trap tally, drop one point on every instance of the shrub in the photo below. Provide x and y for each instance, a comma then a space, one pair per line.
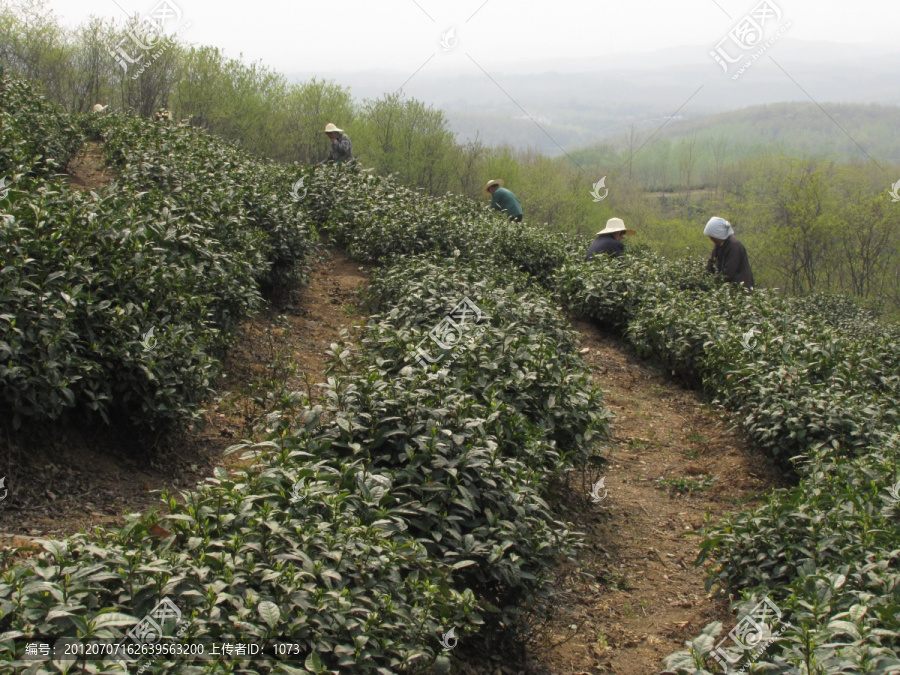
180, 245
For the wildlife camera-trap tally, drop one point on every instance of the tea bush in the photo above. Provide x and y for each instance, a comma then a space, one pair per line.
376, 220
609, 291
439, 472
173, 245
214, 181
77, 293
794, 379
35, 140
298, 550
825, 552
471, 444
815, 382
544, 379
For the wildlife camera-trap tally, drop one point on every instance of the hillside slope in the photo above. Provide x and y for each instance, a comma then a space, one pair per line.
793, 128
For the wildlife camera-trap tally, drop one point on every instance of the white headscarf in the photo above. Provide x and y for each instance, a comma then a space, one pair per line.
718, 228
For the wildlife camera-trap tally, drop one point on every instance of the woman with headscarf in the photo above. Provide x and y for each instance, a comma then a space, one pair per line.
729, 257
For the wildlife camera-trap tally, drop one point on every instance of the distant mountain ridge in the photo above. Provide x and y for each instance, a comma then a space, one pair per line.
795, 128
577, 103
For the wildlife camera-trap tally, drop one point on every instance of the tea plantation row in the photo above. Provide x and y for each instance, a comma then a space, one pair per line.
814, 381
118, 303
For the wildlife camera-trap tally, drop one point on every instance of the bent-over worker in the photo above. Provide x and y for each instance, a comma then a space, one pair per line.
503, 200
729, 257
609, 239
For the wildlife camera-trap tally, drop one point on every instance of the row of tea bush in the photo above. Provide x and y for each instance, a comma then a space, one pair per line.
117, 303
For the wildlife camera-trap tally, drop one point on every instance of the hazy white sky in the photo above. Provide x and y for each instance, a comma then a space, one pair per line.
330, 36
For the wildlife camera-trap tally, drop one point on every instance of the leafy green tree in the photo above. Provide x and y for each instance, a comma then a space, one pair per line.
254, 105
201, 91
469, 165
803, 225
553, 191
502, 163
34, 46
867, 235
407, 138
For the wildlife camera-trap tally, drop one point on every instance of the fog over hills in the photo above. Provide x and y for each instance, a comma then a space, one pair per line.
579, 102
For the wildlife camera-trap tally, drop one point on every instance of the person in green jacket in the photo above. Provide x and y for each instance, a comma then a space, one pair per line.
503, 200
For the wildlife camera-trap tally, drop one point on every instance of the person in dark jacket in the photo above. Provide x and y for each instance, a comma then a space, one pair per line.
729, 257
609, 239
503, 200
341, 147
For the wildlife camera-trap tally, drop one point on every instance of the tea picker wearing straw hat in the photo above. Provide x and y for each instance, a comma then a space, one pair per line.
609, 239
503, 200
341, 147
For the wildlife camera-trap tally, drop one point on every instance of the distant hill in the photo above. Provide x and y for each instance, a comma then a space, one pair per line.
794, 128
590, 100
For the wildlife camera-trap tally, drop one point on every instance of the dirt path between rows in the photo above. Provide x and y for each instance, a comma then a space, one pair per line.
86, 170
77, 479
634, 595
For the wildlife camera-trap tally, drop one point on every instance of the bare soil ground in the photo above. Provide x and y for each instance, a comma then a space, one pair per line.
634, 595
86, 170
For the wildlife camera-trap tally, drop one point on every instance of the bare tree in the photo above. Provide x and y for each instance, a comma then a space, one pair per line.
632, 139
719, 148
145, 76
686, 162
92, 68
868, 225
469, 157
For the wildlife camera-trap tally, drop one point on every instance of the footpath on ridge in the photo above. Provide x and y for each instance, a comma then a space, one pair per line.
635, 596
